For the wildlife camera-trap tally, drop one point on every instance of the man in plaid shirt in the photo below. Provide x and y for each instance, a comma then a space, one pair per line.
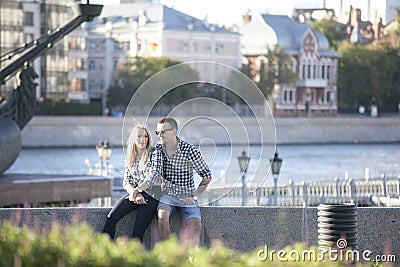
180, 159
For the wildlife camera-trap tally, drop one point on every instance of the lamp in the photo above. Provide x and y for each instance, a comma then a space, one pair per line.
106, 155
107, 150
104, 151
100, 149
276, 164
243, 164
100, 153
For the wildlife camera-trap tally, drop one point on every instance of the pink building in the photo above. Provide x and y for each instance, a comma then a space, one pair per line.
315, 64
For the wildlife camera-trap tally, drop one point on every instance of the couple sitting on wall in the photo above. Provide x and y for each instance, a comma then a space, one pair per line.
159, 179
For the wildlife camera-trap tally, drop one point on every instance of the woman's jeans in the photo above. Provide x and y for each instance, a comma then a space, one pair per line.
143, 218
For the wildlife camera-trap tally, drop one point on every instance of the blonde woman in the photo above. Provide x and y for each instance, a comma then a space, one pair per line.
142, 166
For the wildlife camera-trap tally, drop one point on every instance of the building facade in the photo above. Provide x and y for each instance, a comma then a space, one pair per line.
146, 30
316, 66
21, 24
82, 66
373, 10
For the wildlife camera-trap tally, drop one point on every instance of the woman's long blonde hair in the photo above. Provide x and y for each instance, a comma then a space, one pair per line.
131, 148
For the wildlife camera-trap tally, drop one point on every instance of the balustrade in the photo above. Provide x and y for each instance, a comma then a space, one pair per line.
366, 192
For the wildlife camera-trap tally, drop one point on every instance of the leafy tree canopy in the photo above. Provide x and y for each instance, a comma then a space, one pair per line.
134, 73
330, 30
369, 74
275, 69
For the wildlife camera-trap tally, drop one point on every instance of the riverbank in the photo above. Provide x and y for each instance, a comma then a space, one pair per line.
85, 131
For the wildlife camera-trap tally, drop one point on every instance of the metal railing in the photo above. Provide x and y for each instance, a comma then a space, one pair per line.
362, 192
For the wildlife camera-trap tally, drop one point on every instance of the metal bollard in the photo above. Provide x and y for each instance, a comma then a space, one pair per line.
337, 226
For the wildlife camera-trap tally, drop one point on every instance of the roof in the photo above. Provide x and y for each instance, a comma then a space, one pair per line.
157, 13
267, 31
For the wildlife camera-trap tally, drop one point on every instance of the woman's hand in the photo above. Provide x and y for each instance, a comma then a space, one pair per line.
131, 197
139, 199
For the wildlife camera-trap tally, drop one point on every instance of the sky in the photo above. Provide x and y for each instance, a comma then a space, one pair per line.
228, 12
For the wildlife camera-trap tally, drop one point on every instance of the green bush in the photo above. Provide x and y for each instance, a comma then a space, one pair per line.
76, 244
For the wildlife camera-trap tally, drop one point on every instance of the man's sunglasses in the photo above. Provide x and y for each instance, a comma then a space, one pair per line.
162, 131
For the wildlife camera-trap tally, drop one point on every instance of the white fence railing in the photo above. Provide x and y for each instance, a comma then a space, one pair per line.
367, 192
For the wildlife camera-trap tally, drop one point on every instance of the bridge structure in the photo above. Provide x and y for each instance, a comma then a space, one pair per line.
15, 113
377, 192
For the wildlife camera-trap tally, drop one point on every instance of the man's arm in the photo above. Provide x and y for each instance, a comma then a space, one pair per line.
202, 187
204, 172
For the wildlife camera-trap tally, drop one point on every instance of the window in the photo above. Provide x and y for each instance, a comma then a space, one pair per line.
182, 46
92, 45
289, 96
92, 85
327, 74
314, 71
218, 48
326, 97
28, 18
103, 46
82, 64
28, 37
116, 46
124, 46
92, 65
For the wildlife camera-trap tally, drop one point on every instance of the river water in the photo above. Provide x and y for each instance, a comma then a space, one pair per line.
300, 162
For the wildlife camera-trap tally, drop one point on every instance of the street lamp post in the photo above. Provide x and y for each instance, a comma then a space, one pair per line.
243, 163
276, 164
104, 151
100, 152
107, 156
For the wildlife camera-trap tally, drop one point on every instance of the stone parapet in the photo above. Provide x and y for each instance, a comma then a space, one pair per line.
240, 228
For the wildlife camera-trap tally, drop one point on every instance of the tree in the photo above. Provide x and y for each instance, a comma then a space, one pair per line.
330, 30
276, 69
367, 73
134, 73
398, 27
118, 97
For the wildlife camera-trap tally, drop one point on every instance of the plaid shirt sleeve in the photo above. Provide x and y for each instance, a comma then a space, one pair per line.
128, 178
154, 166
199, 163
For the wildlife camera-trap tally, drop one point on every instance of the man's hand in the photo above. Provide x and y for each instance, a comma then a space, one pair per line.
189, 201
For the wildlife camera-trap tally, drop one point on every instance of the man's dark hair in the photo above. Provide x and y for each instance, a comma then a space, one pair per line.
170, 121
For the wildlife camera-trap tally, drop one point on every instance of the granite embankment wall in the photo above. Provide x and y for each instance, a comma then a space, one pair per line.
65, 131
241, 228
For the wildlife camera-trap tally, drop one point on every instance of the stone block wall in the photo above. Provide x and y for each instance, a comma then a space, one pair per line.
241, 228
